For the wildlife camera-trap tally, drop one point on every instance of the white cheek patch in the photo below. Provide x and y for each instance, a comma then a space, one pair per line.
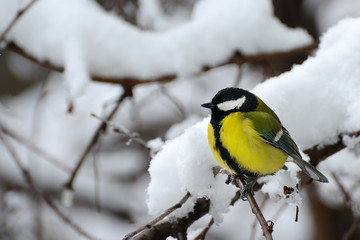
231, 104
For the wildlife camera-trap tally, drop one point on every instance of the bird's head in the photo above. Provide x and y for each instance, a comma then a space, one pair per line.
230, 100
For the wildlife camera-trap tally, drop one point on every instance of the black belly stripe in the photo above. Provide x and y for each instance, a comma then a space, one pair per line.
225, 155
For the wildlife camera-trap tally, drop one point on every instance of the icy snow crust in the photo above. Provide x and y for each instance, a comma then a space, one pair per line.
316, 101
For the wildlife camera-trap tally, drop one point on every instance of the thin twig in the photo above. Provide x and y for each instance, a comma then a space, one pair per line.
351, 204
267, 229
351, 230
17, 17
173, 100
256, 211
102, 127
159, 218
37, 192
296, 214
122, 130
253, 228
31, 146
203, 233
347, 196
279, 211
239, 76
235, 198
96, 177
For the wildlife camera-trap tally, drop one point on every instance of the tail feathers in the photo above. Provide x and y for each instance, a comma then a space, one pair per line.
311, 171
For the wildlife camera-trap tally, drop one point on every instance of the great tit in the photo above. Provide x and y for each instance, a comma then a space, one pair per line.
247, 138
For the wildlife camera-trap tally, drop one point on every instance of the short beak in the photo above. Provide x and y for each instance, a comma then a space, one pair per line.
207, 105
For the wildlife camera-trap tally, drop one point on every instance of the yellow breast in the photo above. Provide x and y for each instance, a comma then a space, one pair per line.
245, 146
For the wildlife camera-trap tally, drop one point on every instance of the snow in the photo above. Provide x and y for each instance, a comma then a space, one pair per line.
76, 73
331, 12
311, 119
323, 90
187, 170
76, 35
274, 185
151, 16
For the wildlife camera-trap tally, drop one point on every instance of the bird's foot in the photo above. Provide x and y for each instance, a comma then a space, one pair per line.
247, 189
232, 179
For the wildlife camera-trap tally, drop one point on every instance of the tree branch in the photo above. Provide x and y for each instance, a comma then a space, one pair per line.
266, 228
124, 131
130, 82
351, 205
319, 152
352, 229
69, 184
17, 17
159, 218
31, 146
173, 227
170, 228
203, 233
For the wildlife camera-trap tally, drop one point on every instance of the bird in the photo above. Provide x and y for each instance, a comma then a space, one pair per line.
248, 139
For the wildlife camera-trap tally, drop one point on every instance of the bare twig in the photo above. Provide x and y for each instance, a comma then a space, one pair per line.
279, 211
17, 17
173, 100
96, 177
102, 127
37, 192
352, 229
122, 130
351, 204
253, 227
347, 196
159, 218
239, 76
203, 233
235, 198
256, 211
297, 214
31, 146
253, 204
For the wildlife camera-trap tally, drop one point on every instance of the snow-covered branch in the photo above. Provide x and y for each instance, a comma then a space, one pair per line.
237, 58
139, 54
161, 230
